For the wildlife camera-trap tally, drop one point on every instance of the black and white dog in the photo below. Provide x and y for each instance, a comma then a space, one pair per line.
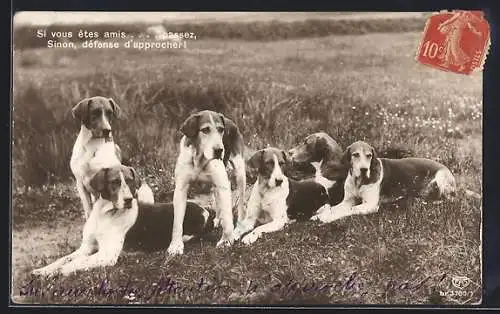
118, 218
276, 198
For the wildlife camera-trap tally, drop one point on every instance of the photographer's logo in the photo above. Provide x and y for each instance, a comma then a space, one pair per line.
460, 282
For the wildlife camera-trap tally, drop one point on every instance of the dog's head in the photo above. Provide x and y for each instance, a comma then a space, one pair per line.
269, 162
314, 148
117, 184
205, 130
361, 159
97, 114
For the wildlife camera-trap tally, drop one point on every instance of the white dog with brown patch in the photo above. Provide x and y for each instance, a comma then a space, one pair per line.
277, 200
370, 177
209, 142
96, 115
120, 218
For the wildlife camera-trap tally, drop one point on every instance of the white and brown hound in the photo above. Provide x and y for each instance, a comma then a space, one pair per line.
370, 177
118, 219
96, 115
276, 198
209, 141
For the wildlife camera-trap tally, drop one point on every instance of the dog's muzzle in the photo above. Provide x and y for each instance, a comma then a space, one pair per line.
218, 153
127, 203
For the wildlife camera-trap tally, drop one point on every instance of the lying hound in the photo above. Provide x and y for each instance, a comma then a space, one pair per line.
96, 115
276, 197
210, 140
119, 219
325, 155
370, 178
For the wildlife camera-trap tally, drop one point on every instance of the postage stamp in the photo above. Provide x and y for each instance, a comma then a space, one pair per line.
455, 41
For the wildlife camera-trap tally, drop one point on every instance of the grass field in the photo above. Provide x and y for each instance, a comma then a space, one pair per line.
366, 87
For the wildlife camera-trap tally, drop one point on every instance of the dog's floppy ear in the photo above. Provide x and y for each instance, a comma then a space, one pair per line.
116, 109
285, 156
98, 182
255, 160
190, 126
374, 162
133, 173
346, 158
223, 119
80, 110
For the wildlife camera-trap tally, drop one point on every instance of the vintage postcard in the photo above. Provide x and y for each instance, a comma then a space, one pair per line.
313, 158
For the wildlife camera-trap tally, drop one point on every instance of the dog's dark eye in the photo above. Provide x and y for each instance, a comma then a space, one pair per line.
369, 155
109, 113
220, 130
270, 163
355, 155
205, 130
96, 113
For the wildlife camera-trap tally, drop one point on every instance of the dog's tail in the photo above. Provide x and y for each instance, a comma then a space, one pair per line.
145, 194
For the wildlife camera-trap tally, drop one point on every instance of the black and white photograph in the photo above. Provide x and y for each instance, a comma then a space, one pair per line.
247, 158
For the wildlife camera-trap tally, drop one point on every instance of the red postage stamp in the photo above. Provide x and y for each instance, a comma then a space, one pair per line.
456, 41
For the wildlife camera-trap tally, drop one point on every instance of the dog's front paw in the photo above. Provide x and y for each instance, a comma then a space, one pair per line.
37, 272
42, 272
66, 271
176, 248
250, 238
314, 218
225, 242
327, 218
323, 209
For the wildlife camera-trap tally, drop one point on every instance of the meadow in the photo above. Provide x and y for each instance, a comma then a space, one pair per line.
352, 86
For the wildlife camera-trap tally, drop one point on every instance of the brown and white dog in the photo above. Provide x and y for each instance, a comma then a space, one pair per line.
118, 218
276, 198
325, 155
96, 115
370, 177
209, 142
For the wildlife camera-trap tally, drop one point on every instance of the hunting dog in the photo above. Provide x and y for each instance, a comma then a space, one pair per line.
325, 155
96, 115
119, 218
209, 142
370, 177
275, 199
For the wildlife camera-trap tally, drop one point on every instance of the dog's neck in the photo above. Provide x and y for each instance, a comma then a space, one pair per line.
84, 136
318, 175
264, 187
104, 206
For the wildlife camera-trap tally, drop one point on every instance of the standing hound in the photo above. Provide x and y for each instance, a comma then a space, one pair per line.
96, 115
210, 140
370, 177
325, 155
119, 219
279, 199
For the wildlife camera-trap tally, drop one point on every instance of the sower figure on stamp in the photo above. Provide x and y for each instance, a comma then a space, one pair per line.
453, 28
